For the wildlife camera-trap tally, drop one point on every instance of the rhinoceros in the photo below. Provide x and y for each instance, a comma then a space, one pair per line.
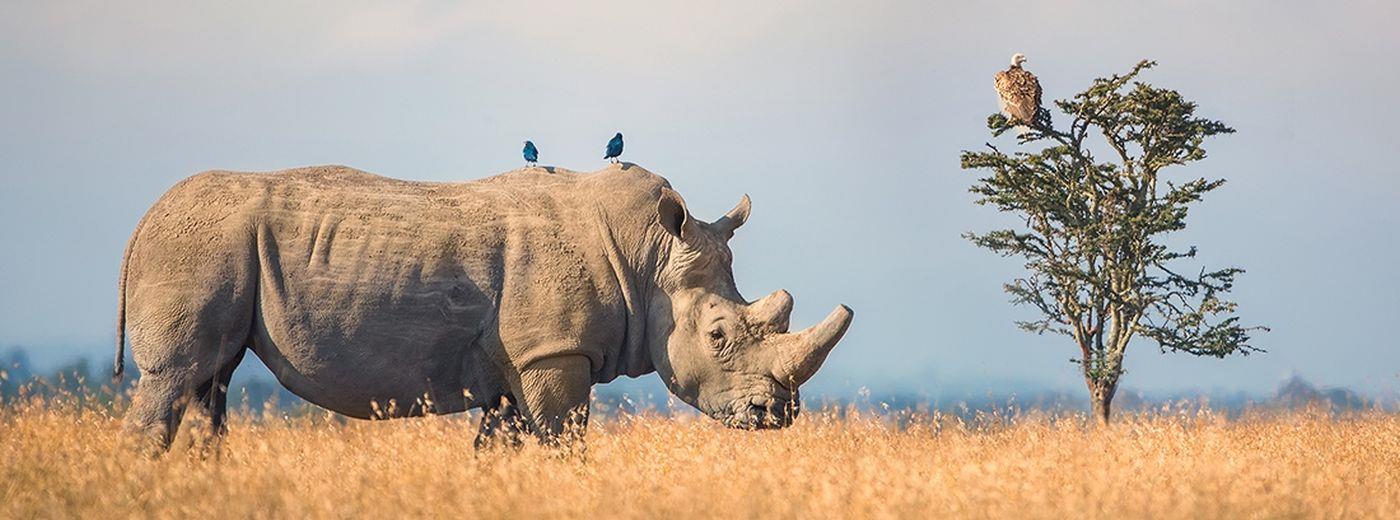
376, 298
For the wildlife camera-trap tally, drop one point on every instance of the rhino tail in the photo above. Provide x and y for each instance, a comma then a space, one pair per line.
119, 364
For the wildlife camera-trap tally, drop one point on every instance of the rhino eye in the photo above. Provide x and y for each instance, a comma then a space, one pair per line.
716, 335
716, 338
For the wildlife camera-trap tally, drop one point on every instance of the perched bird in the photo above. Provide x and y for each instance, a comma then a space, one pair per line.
1019, 91
532, 154
614, 147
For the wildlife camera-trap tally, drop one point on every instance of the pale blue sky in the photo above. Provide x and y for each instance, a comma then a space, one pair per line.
843, 120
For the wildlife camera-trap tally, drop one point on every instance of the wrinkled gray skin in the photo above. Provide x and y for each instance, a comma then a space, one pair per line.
376, 297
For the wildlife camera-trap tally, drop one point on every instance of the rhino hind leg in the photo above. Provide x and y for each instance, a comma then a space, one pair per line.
155, 412
502, 426
210, 406
182, 365
162, 398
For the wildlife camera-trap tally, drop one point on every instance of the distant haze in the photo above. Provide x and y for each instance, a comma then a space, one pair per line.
843, 121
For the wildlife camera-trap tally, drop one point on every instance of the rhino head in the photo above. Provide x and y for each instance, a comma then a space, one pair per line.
734, 360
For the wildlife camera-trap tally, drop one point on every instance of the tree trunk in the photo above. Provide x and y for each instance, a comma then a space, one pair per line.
1101, 397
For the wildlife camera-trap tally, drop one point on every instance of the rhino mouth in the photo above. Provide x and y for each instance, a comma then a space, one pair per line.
759, 413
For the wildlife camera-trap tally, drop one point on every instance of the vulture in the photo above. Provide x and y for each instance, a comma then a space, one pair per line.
1019, 91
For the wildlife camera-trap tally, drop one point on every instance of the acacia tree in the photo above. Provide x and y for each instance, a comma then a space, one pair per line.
1098, 271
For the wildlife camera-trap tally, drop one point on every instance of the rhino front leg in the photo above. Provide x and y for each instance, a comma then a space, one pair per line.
501, 425
554, 396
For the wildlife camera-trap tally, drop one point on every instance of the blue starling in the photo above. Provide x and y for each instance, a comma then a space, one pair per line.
614, 147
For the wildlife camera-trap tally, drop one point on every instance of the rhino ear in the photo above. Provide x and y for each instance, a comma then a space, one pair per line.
735, 218
675, 219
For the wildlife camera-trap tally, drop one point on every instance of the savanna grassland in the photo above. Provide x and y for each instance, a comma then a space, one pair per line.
63, 461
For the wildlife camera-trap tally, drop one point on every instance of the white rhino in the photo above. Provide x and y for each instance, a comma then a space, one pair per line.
376, 297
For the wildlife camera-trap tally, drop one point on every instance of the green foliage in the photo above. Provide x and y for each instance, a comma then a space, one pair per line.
1098, 271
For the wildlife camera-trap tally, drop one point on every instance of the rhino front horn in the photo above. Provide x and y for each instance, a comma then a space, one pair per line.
801, 353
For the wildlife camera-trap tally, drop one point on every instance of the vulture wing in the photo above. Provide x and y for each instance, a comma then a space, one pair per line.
1019, 91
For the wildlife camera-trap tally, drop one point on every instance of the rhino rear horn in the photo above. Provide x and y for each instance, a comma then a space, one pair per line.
735, 218
773, 311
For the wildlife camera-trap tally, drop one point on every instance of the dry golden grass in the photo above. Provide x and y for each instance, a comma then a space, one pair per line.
66, 461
